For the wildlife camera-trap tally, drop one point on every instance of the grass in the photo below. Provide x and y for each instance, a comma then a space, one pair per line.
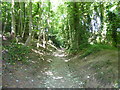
105, 64
102, 60
95, 48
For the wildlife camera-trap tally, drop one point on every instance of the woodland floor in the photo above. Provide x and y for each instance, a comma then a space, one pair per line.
57, 70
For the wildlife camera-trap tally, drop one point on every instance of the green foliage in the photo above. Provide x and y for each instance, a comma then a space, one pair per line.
90, 49
72, 51
16, 52
69, 22
81, 47
95, 48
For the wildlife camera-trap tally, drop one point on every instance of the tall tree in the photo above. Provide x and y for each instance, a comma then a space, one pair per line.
30, 24
13, 20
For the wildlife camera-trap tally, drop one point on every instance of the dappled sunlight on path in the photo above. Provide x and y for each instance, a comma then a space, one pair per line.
54, 71
59, 74
59, 53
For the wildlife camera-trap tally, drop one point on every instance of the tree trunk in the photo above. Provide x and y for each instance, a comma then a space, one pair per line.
30, 26
23, 31
21, 22
13, 20
76, 25
39, 22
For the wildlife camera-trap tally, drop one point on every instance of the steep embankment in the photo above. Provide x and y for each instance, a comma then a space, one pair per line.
99, 69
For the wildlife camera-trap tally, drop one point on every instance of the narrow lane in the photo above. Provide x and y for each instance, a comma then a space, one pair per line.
56, 74
59, 74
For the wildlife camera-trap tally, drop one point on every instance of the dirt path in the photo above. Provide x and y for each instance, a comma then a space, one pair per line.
57, 74
53, 75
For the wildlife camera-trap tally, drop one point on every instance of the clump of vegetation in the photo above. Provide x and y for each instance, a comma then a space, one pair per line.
95, 48
16, 52
88, 49
74, 50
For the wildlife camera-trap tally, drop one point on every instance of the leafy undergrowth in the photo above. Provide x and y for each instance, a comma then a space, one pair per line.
95, 48
87, 49
103, 64
16, 52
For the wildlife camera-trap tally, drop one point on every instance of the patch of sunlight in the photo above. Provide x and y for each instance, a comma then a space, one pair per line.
37, 51
57, 77
32, 80
67, 60
17, 80
52, 45
69, 75
49, 60
39, 45
91, 43
20, 43
33, 61
51, 50
113, 8
88, 76
0, 35
49, 73
81, 83
42, 58
116, 85
45, 68
48, 87
59, 55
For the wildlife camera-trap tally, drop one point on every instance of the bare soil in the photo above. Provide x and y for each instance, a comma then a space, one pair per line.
54, 70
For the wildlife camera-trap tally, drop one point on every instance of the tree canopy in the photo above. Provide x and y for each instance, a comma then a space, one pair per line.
71, 25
